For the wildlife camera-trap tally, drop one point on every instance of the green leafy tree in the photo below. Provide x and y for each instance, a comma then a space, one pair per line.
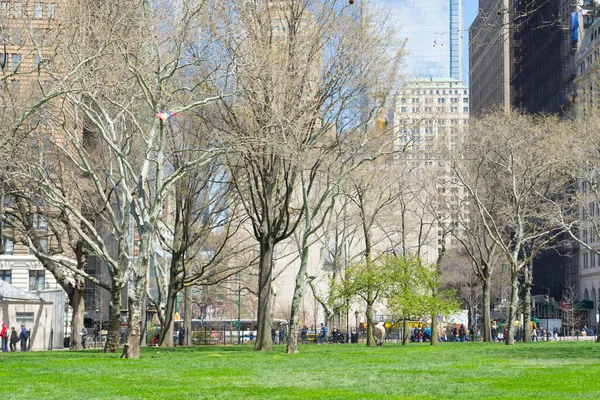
369, 282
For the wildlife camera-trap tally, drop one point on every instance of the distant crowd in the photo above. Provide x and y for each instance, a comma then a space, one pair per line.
15, 337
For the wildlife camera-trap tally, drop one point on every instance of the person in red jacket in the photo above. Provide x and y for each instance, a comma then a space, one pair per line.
4, 336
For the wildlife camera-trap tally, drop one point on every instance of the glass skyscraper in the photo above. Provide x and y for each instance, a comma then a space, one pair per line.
434, 33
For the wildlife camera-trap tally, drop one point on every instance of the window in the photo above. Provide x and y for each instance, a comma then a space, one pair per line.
36, 61
15, 86
465, 109
43, 245
5, 35
17, 36
9, 247
38, 10
37, 36
18, 10
5, 9
40, 222
37, 280
16, 61
403, 109
50, 10
465, 100
24, 317
6, 275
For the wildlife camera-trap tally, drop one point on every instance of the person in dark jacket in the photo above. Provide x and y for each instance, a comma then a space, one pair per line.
24, 335
182, 335
14, 339
303, 334
273, 334
281, 334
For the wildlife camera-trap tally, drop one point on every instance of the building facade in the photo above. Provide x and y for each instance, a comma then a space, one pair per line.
544, 56
587, 85
432, 117
490, 57
433, 31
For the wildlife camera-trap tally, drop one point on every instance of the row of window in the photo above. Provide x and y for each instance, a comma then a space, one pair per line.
39, 36
430, 109
443, 91
9, 246
18, 9
16, 59
442, 121
416, 100
37, 278
590, 260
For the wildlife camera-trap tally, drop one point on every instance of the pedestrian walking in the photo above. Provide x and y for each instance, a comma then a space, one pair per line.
273, 335
281, 334
14, 339
462, 333
182, 335
303, 334
4, 336
555, 332
23, 336
323, 337
84, 333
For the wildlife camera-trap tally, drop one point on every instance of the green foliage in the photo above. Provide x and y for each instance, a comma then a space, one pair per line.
366, 281
408, 296
545, 370
409, 287
415, 291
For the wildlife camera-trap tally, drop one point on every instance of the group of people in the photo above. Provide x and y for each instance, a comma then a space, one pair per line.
14, 338
274, 334
336, 335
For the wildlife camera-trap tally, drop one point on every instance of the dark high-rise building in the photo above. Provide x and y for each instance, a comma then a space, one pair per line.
544, 56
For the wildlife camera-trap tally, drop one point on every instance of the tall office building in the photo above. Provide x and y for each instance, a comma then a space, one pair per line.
490, 42
433, 31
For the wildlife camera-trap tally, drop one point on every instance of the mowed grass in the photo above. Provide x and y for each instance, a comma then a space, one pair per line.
554, 370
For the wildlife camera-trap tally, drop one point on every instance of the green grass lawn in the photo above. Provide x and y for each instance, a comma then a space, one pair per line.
555, 370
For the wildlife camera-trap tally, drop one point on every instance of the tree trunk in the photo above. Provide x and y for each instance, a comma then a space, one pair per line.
263, 335
114, 321
143, 319
166, 329
369, 315
487, 329
512, 308
78, 305
135, 309
292, 342
405, 332
434, 330
526, 302
187, 315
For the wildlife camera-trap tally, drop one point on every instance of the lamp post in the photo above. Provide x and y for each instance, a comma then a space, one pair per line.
356, 318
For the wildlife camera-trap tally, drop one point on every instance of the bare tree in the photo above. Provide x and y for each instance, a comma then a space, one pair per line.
301, 80
508, 159
123, 72
571, 316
